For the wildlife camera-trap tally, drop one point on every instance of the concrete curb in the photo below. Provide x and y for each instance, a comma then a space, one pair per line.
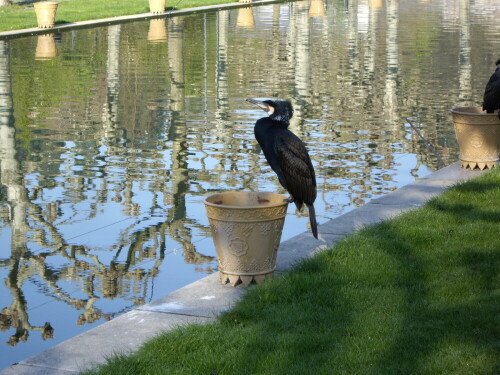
201, 301
130, 18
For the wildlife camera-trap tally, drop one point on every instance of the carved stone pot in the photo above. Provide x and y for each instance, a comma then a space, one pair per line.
246, 229
157, 6
46, 13
478, 136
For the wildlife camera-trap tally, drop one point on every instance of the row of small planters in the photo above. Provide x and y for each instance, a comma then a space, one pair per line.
246, 226
46, 11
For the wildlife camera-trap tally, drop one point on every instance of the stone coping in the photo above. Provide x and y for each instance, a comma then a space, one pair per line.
203, 300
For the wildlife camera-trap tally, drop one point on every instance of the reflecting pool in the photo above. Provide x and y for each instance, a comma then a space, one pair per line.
111, 137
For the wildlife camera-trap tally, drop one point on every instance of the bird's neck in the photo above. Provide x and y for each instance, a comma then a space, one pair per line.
265, 127
284, 119
267, 122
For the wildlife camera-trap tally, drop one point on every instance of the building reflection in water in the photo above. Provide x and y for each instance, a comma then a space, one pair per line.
103, 171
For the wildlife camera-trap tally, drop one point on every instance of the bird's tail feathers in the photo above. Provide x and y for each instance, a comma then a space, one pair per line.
312, 220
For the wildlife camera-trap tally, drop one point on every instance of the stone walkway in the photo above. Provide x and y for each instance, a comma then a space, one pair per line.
203, 300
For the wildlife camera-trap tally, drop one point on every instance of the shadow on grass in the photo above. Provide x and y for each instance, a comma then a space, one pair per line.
483, 268
460, 201
465, 211
442, 332
445, 321
297, 331
477, 186
412, 308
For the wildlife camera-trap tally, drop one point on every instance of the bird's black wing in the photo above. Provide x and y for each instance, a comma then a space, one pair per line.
296, 167
492, 92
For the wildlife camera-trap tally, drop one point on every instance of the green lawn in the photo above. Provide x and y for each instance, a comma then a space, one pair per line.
419, 294
16, 17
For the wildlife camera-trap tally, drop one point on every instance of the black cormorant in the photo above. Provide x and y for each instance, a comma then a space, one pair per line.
287, 155
491, 100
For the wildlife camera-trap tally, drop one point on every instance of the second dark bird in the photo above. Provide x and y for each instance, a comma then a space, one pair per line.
491, 100
287, 155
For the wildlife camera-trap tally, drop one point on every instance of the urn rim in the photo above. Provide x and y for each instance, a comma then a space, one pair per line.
279, 200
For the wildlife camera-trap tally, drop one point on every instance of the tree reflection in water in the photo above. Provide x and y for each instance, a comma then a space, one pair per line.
138, 254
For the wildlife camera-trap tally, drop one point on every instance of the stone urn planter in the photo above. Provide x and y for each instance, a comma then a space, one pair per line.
46, 13
478, 136
246, 229
157, 6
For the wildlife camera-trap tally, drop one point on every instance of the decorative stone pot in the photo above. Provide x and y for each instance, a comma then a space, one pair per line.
46, 13
478, 136
246, 229
157, 6
45, 47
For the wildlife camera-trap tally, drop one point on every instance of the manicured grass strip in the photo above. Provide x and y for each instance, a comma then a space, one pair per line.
419, 294
17, 17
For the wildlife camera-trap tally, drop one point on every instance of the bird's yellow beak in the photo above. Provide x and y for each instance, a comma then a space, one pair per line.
266, 107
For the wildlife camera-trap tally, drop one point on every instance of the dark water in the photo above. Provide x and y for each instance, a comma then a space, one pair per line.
110, 138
